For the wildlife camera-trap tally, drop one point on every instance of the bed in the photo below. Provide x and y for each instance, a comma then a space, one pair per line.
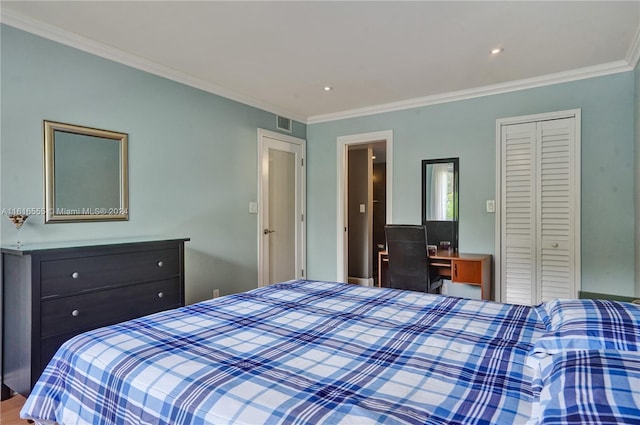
309, 352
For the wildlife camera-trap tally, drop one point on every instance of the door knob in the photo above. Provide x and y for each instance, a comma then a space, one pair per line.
267, 231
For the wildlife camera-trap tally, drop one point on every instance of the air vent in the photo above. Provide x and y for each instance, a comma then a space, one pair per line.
283, 123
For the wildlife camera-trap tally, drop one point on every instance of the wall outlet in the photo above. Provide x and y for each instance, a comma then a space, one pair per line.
491, 206
216, 293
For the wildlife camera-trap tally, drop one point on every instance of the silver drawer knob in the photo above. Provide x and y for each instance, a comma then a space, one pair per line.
75, 313
75, 275
160, 294
555, 244
160, 264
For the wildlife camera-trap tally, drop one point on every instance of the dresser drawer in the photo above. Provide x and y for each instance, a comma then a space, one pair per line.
79, 313
78, 274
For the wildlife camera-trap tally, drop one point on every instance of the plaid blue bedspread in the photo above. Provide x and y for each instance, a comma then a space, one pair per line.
301, 352
588, 387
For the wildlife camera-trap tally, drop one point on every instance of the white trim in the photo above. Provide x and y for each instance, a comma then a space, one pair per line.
88, 45
497, 239
577, 207
341, 158
577, 113
539, 117
528, 83
262, 133
633, 55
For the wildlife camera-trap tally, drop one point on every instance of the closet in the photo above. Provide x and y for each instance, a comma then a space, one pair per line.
539, 215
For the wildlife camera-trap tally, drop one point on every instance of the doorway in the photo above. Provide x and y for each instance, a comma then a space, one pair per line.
364, 205
281, 225
366, 210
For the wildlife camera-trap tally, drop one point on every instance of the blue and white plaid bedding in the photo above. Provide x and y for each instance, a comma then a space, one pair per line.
300, 352
588, 387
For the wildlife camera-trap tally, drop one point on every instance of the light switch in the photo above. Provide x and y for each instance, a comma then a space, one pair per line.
491, 206
362, 208
253, 208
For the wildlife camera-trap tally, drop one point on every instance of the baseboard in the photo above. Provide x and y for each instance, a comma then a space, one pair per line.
597, 296
362, 281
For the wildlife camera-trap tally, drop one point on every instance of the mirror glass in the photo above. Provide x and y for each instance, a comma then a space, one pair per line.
440, 199
85, 174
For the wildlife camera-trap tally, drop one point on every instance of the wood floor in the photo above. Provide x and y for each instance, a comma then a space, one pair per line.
10, 411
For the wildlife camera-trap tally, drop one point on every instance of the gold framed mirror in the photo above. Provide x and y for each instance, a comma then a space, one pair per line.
85, 172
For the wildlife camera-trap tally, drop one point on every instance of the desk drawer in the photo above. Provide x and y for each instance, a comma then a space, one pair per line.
92, 272
79, 313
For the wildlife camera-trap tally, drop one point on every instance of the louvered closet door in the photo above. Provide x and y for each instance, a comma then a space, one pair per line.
555, 201
518, 213
538, 227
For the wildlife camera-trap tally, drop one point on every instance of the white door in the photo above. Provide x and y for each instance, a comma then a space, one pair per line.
281, 208
556, 196
540, 208
518, 213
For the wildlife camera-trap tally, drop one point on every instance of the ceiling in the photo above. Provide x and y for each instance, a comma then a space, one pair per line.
377, 56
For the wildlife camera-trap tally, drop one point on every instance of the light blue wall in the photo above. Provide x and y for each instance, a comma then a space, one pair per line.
193, 161
192, 156
466, 129
637, 192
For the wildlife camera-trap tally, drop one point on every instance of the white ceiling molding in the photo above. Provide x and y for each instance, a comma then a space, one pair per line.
528, 83
79, 42
633, 56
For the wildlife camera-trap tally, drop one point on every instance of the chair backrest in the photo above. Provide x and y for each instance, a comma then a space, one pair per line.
408, 261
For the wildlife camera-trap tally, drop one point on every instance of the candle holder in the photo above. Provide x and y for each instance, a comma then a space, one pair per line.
18, 220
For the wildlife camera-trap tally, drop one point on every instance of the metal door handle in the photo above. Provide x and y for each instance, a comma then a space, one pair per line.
267, 231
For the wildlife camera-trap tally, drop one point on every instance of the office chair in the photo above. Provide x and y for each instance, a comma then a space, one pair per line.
408, 260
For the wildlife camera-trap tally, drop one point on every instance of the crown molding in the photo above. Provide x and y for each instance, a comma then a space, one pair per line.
528, 83
633, 55
88, 45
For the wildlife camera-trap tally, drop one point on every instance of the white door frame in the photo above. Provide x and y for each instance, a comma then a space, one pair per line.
343, 143
498, 223
301, 251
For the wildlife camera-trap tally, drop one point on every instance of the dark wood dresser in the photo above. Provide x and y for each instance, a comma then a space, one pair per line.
55, 291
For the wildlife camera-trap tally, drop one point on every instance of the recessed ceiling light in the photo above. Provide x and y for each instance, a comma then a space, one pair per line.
497, 50
328, 88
